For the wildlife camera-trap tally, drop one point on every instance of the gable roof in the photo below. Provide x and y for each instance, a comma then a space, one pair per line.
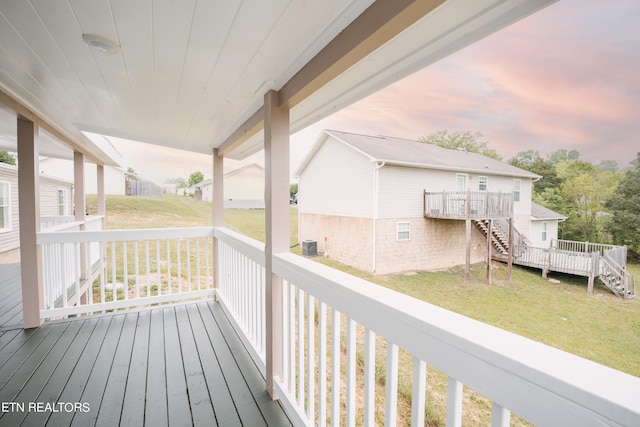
405, 152
539, 212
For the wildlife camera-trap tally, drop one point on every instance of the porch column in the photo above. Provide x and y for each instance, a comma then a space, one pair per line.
102, 203
217, 206
276, 146
80, 205
29, 206
78, 186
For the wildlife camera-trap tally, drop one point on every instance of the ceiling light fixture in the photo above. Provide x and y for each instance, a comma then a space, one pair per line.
101, 44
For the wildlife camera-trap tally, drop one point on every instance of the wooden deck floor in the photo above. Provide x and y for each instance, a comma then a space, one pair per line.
10, 297
176, 366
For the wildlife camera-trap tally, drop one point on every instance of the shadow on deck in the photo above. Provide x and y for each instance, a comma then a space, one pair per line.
174, 365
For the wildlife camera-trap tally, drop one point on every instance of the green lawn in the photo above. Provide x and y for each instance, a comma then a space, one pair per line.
600, 327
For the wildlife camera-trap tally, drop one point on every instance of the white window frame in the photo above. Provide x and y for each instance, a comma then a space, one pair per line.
465, 181
63, 208
4, 228
544, 231
517, 187
483, 179
403, 231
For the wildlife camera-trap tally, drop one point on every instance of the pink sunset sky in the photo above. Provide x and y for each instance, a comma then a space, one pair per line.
566, 77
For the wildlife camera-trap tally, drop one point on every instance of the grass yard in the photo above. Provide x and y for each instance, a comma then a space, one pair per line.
600, 327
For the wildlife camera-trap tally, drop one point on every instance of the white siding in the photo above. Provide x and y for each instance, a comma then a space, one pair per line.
113, 177
401, 189
338, 181
49, 197
247, 184
535, 235
11, 239
48, 203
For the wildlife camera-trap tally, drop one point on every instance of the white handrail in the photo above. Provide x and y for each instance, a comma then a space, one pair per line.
129, 271
544, 385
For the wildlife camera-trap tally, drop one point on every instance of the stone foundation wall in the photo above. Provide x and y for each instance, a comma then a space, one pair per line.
434, 244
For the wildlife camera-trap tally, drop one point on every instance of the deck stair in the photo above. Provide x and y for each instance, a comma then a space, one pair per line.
499, 240
606, 262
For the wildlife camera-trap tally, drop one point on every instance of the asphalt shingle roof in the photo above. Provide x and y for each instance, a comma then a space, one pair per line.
419, 154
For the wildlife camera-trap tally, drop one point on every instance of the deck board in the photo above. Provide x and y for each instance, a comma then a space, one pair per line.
174, 365
222, 402
133, 404
11, 297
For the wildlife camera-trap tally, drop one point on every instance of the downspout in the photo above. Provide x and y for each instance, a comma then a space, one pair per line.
375, 212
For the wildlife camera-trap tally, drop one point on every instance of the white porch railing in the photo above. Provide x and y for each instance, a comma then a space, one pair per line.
52, 221
330, 316
127, 268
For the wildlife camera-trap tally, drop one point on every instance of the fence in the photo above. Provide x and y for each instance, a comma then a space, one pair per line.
143, 189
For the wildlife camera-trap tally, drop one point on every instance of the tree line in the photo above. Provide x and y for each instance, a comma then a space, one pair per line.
601, 201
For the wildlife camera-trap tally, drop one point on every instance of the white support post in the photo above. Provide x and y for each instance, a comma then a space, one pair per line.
102, 200
454, 403
80, 205
217, 206
29, 205
500, 417
276, 146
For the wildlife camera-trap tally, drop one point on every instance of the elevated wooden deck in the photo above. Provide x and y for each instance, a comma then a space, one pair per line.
462, 205
176, 365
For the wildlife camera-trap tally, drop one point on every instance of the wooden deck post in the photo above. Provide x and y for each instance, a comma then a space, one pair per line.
467, 262
595, 267
102, 200
510, 253
29, 205
276, 146
489, 233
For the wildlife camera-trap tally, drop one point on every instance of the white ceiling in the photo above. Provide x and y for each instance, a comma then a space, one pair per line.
189, 72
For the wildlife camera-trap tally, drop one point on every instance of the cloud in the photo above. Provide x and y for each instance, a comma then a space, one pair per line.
565, 77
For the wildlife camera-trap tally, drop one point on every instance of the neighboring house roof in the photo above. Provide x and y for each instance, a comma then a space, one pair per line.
209, 181
405, 152
539, 212
242, 169
14, 169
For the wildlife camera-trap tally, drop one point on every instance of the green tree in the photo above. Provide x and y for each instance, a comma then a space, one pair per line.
472, 142
195, 178
525, 159
563, 155
624, 204
585, 188
609, 165
293, 189
6, 157
532, 161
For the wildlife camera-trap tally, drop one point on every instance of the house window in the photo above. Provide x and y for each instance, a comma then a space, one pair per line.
5, 206
403, 231
482, 183
544, 231
516, 190
461, 182
62, 202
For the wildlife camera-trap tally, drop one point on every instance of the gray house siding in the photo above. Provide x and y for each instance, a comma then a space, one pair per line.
49, 206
